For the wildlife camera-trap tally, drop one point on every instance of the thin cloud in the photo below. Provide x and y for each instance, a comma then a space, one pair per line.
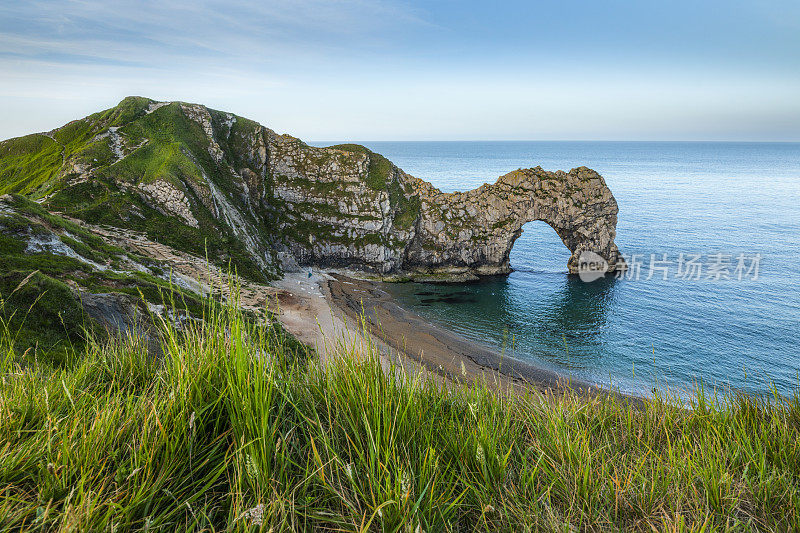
158, 30
411, 69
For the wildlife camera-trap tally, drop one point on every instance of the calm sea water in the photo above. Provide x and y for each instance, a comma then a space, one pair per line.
734, 199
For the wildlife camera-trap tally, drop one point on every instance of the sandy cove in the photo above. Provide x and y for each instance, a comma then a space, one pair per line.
307, 310
327, 309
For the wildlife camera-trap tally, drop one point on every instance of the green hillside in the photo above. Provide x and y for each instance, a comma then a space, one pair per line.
92, 169
48, 264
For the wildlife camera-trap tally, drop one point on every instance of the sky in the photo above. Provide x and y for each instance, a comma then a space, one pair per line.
406, 70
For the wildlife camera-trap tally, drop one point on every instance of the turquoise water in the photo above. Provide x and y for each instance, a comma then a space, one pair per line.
636, 334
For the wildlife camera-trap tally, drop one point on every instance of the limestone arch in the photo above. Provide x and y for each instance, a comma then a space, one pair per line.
473, 232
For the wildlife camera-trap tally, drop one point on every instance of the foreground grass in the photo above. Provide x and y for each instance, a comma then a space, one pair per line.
232, 430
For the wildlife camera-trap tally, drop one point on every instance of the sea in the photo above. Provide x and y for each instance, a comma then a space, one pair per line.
710, 230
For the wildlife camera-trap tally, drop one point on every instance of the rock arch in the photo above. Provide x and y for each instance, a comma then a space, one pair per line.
471, 233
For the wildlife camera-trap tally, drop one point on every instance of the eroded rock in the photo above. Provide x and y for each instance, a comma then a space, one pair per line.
276, 200
474, 231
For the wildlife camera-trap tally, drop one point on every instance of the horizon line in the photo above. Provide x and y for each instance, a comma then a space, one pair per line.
729, 141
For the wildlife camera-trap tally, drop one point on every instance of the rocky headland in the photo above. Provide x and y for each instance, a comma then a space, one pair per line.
152, 197
205, 181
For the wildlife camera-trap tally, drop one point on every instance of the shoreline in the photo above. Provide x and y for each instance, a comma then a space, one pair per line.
326, 309
304, 310
440, 350
435, 348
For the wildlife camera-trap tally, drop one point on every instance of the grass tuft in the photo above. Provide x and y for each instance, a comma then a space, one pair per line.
236, 428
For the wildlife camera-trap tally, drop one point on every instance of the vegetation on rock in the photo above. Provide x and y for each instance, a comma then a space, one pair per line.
47, 264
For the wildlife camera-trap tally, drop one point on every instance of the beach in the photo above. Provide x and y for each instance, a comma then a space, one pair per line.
329, 308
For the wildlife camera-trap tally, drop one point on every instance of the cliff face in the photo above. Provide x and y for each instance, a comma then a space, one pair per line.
341, 207
347, 207
206, 181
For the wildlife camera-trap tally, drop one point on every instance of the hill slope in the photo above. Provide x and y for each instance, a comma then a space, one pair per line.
151, 168
203, 180
60, 277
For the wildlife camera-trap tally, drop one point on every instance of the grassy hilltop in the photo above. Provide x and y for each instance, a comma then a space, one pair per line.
208, 182
196, 184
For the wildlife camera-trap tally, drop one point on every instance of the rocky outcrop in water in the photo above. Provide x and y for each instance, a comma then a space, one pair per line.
348, 207
473, 232
205, 181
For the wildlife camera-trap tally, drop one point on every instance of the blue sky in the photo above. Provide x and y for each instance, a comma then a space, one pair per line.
391, 70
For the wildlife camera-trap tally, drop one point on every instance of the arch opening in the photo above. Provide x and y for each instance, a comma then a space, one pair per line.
539, 249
